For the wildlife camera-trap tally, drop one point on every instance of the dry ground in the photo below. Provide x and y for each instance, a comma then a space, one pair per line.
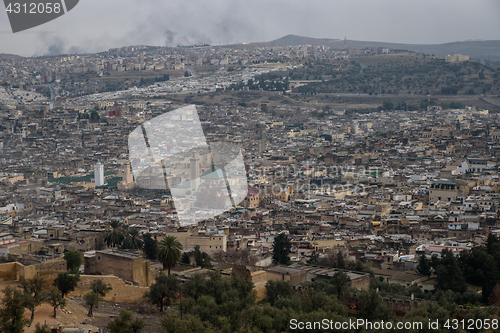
75, 313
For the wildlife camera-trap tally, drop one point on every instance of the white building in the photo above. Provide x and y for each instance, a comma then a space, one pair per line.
99, 174
472, 165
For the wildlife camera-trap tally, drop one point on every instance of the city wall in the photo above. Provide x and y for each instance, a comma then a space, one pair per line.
121, 293
15, 271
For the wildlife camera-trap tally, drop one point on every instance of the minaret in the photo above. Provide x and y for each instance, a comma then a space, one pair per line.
194, 165
99, 174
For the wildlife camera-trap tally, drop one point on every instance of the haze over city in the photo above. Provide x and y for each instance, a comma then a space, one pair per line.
95, 26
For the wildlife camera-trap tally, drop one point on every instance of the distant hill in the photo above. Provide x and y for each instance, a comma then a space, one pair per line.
4, 56
477, 49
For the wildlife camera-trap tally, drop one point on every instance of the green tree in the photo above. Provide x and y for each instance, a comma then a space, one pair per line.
33, 293
42, 328
275, 289
169, 252
448, 274
94, 116
126, 323
490, 242
491, 277
281, 250
186, 258
55, 299
424, 266
371, 307
73, 260
66, 282
150, 246
186, 74
100, 288
388, 105
171, 323
133, 240
201, 258
114, 235
341, 281
12, 311
92, 299
340, 260
163, 291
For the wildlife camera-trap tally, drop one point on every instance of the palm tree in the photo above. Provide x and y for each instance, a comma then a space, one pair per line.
133, 240
114, 236
169, 252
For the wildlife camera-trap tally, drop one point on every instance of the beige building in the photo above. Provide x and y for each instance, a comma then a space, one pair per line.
129, 266
209, 244
86, 241
456, 58
443, 190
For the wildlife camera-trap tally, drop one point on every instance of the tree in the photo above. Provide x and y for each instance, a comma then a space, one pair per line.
490, 242
340, 260
424, 266
275, 289
114, 236
201, 258
92, 299
42, 328
66, 282
73, 260
186, 74
12, 311
94, 115
371, 307
341, 282
33, 293
150, 246
125, 323
133, 240
100, 288
490, 277
169, 252
281, 250
388, 105
186, 258
448, 273
163, 290
55, 299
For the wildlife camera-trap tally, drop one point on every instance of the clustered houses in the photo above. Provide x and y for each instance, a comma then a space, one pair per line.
28, 80
381, 187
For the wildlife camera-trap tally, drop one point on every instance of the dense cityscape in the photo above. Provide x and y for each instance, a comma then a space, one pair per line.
366, 196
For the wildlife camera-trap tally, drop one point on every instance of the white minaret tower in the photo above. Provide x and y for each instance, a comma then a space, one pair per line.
99, 174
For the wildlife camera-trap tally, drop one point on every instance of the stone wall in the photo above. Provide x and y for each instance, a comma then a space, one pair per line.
15, 271
259, 280
122, 292
8, 271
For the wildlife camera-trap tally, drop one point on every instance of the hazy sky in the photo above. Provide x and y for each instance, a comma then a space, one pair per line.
97, 25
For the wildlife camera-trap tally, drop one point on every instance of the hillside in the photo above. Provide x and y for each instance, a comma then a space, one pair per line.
403, 73
488, 50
